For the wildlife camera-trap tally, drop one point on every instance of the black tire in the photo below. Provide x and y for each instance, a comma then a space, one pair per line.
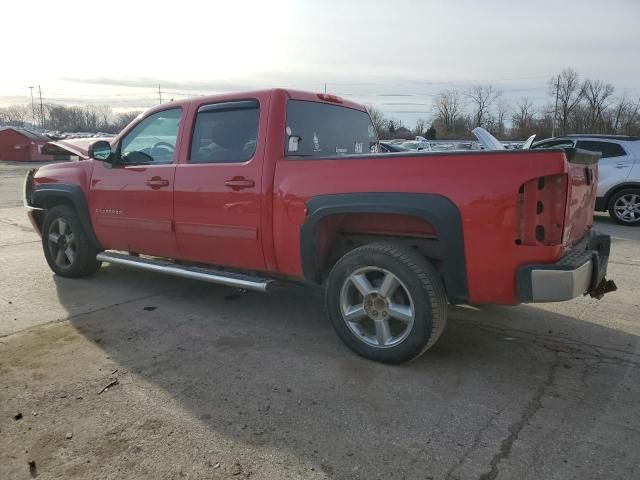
616, 203
420, 285
66, 245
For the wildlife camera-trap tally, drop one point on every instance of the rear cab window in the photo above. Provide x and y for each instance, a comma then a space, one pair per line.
315, 129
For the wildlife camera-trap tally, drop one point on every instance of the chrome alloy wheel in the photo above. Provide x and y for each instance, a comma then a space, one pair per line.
62, 244
377, 307
627, 207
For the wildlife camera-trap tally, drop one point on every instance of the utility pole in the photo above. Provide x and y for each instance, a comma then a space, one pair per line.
41, 109
33, 109
555, 109
159, 93
325, 89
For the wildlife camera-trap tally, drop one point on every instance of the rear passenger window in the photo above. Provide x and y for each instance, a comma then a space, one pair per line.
608, 149
225, 132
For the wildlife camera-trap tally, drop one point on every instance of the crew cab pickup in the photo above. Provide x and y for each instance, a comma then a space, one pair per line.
253, 189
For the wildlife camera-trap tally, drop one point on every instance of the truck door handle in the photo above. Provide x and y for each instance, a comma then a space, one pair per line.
622, 165
238, 183
157, 182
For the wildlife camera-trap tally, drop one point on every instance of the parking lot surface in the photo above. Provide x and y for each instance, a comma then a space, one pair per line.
134, 375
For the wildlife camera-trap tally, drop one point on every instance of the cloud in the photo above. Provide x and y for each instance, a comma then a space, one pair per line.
145, 82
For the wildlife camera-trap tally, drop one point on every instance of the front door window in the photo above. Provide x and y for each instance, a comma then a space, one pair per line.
153, 140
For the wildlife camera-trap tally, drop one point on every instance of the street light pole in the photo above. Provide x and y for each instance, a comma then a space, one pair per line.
555, 109
41, 109
33, 109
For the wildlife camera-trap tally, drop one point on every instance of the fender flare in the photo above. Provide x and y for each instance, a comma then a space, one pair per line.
73, 193
439, 211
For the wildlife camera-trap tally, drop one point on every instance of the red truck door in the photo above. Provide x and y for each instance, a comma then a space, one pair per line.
131, 201
218, 194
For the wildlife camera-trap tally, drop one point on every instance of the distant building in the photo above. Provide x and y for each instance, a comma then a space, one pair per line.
21, 145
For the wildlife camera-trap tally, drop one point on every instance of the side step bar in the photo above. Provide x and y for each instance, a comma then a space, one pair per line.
210, 275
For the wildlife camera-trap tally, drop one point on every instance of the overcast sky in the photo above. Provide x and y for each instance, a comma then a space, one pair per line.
394, 54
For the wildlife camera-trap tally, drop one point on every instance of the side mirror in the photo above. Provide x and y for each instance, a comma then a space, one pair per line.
100, 150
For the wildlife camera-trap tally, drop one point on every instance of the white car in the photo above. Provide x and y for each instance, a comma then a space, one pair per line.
416, 145
618, 172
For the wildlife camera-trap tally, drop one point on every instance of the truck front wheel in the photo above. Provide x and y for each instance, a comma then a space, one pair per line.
66, 245
386, 302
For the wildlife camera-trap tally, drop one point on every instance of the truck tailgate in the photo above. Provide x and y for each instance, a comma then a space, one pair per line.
581, 194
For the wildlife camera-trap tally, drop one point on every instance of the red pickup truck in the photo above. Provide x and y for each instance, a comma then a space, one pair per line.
254, 188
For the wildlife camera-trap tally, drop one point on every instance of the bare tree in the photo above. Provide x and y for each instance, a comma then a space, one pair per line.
17, 114
421, 127
522, 119
481, 98
393, 124
618, 113
630, 125
568, 91
596, 94
502, 110
104, 116
377, 118
448, 109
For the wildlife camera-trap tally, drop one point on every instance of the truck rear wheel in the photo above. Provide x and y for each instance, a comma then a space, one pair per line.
386, 302
66, 245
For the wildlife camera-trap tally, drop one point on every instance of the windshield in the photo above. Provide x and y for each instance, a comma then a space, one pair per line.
319, 130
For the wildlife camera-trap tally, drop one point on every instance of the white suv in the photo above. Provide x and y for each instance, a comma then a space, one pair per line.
618, 172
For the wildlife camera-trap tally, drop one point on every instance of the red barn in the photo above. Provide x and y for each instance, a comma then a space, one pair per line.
19, 144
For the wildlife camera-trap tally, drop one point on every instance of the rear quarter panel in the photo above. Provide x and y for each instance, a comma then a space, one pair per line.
483, 185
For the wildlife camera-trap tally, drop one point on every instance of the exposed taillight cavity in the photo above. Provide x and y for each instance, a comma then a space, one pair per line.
541, 211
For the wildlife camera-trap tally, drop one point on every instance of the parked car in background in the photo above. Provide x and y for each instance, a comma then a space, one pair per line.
387, 147
619, 172
417, 145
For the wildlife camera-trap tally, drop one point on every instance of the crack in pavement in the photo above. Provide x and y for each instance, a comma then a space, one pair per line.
590, 355
19, 243
474, 444
16, 224
577, 349
534, 405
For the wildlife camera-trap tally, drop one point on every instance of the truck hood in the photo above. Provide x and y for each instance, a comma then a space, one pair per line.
78, 147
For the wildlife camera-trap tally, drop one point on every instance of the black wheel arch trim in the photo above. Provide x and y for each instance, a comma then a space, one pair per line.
438, 210
73, 193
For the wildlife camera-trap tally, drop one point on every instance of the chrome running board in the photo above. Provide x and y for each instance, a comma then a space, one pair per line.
210, 275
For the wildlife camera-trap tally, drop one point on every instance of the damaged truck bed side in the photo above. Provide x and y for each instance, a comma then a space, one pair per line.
253, 188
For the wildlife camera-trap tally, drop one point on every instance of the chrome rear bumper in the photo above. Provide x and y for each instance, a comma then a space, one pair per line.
579, 272
560, 285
